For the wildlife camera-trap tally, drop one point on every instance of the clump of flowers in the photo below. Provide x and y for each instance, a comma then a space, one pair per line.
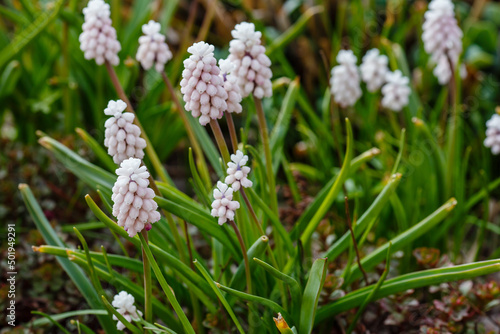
122, 136
231, 86
201, 85
124, 304
493, 134
253, 67
98, 39
223, 205
442, 38
237, 172
134, 206
152, 47
344, 81
374, 69
396, 91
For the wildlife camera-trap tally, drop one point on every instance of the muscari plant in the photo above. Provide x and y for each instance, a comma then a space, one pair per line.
260, 276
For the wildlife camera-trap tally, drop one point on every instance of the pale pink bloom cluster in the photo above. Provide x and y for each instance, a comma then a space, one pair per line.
231, 86
253, 67
122, 137
124, 304
98, 39
493, 134
134, 206
396, 91
237, 172
201, 84
152, 47
344, 80
223, 205
374, 69
442, 38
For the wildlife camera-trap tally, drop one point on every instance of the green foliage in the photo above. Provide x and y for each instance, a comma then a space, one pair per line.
395, 169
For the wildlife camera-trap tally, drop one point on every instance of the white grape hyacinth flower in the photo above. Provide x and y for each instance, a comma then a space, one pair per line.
231, 86
493, 134
442, 38
124, 304
223, 205
253, 67
201, 85
122, 137
344, 80
396, 91
237, 172
134, 206
374, 69
98, 39
152, 48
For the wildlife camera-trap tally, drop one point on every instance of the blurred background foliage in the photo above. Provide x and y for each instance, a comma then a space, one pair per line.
46, 84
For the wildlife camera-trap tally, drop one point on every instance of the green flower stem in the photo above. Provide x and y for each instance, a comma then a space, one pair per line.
200, 161
221, 142
232, 131
150, 151
245, 256
166, 288
267, 152
148, 289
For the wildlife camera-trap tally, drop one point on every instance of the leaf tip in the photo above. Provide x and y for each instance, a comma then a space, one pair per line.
264, 238
44, 142
22, 186
417, 121
375, 151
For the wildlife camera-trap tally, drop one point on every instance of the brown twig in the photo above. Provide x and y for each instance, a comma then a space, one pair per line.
355, 245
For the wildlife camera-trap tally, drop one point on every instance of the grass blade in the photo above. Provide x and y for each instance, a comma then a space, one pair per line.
311, 296
74, 272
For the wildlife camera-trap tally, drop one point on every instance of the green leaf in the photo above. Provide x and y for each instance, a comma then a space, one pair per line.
369, 298
295, 291
29, 33
291, 33
120, 317
369, 216
256, 299
100, 153
51, 320
203, 221
311, 296
280, 128
165, 287
273, 219
9, 78
257, 249
334, 190
44, 321
375, 257
84, 170
223, 300
74, 272
356, 163
409, 281
192, 279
